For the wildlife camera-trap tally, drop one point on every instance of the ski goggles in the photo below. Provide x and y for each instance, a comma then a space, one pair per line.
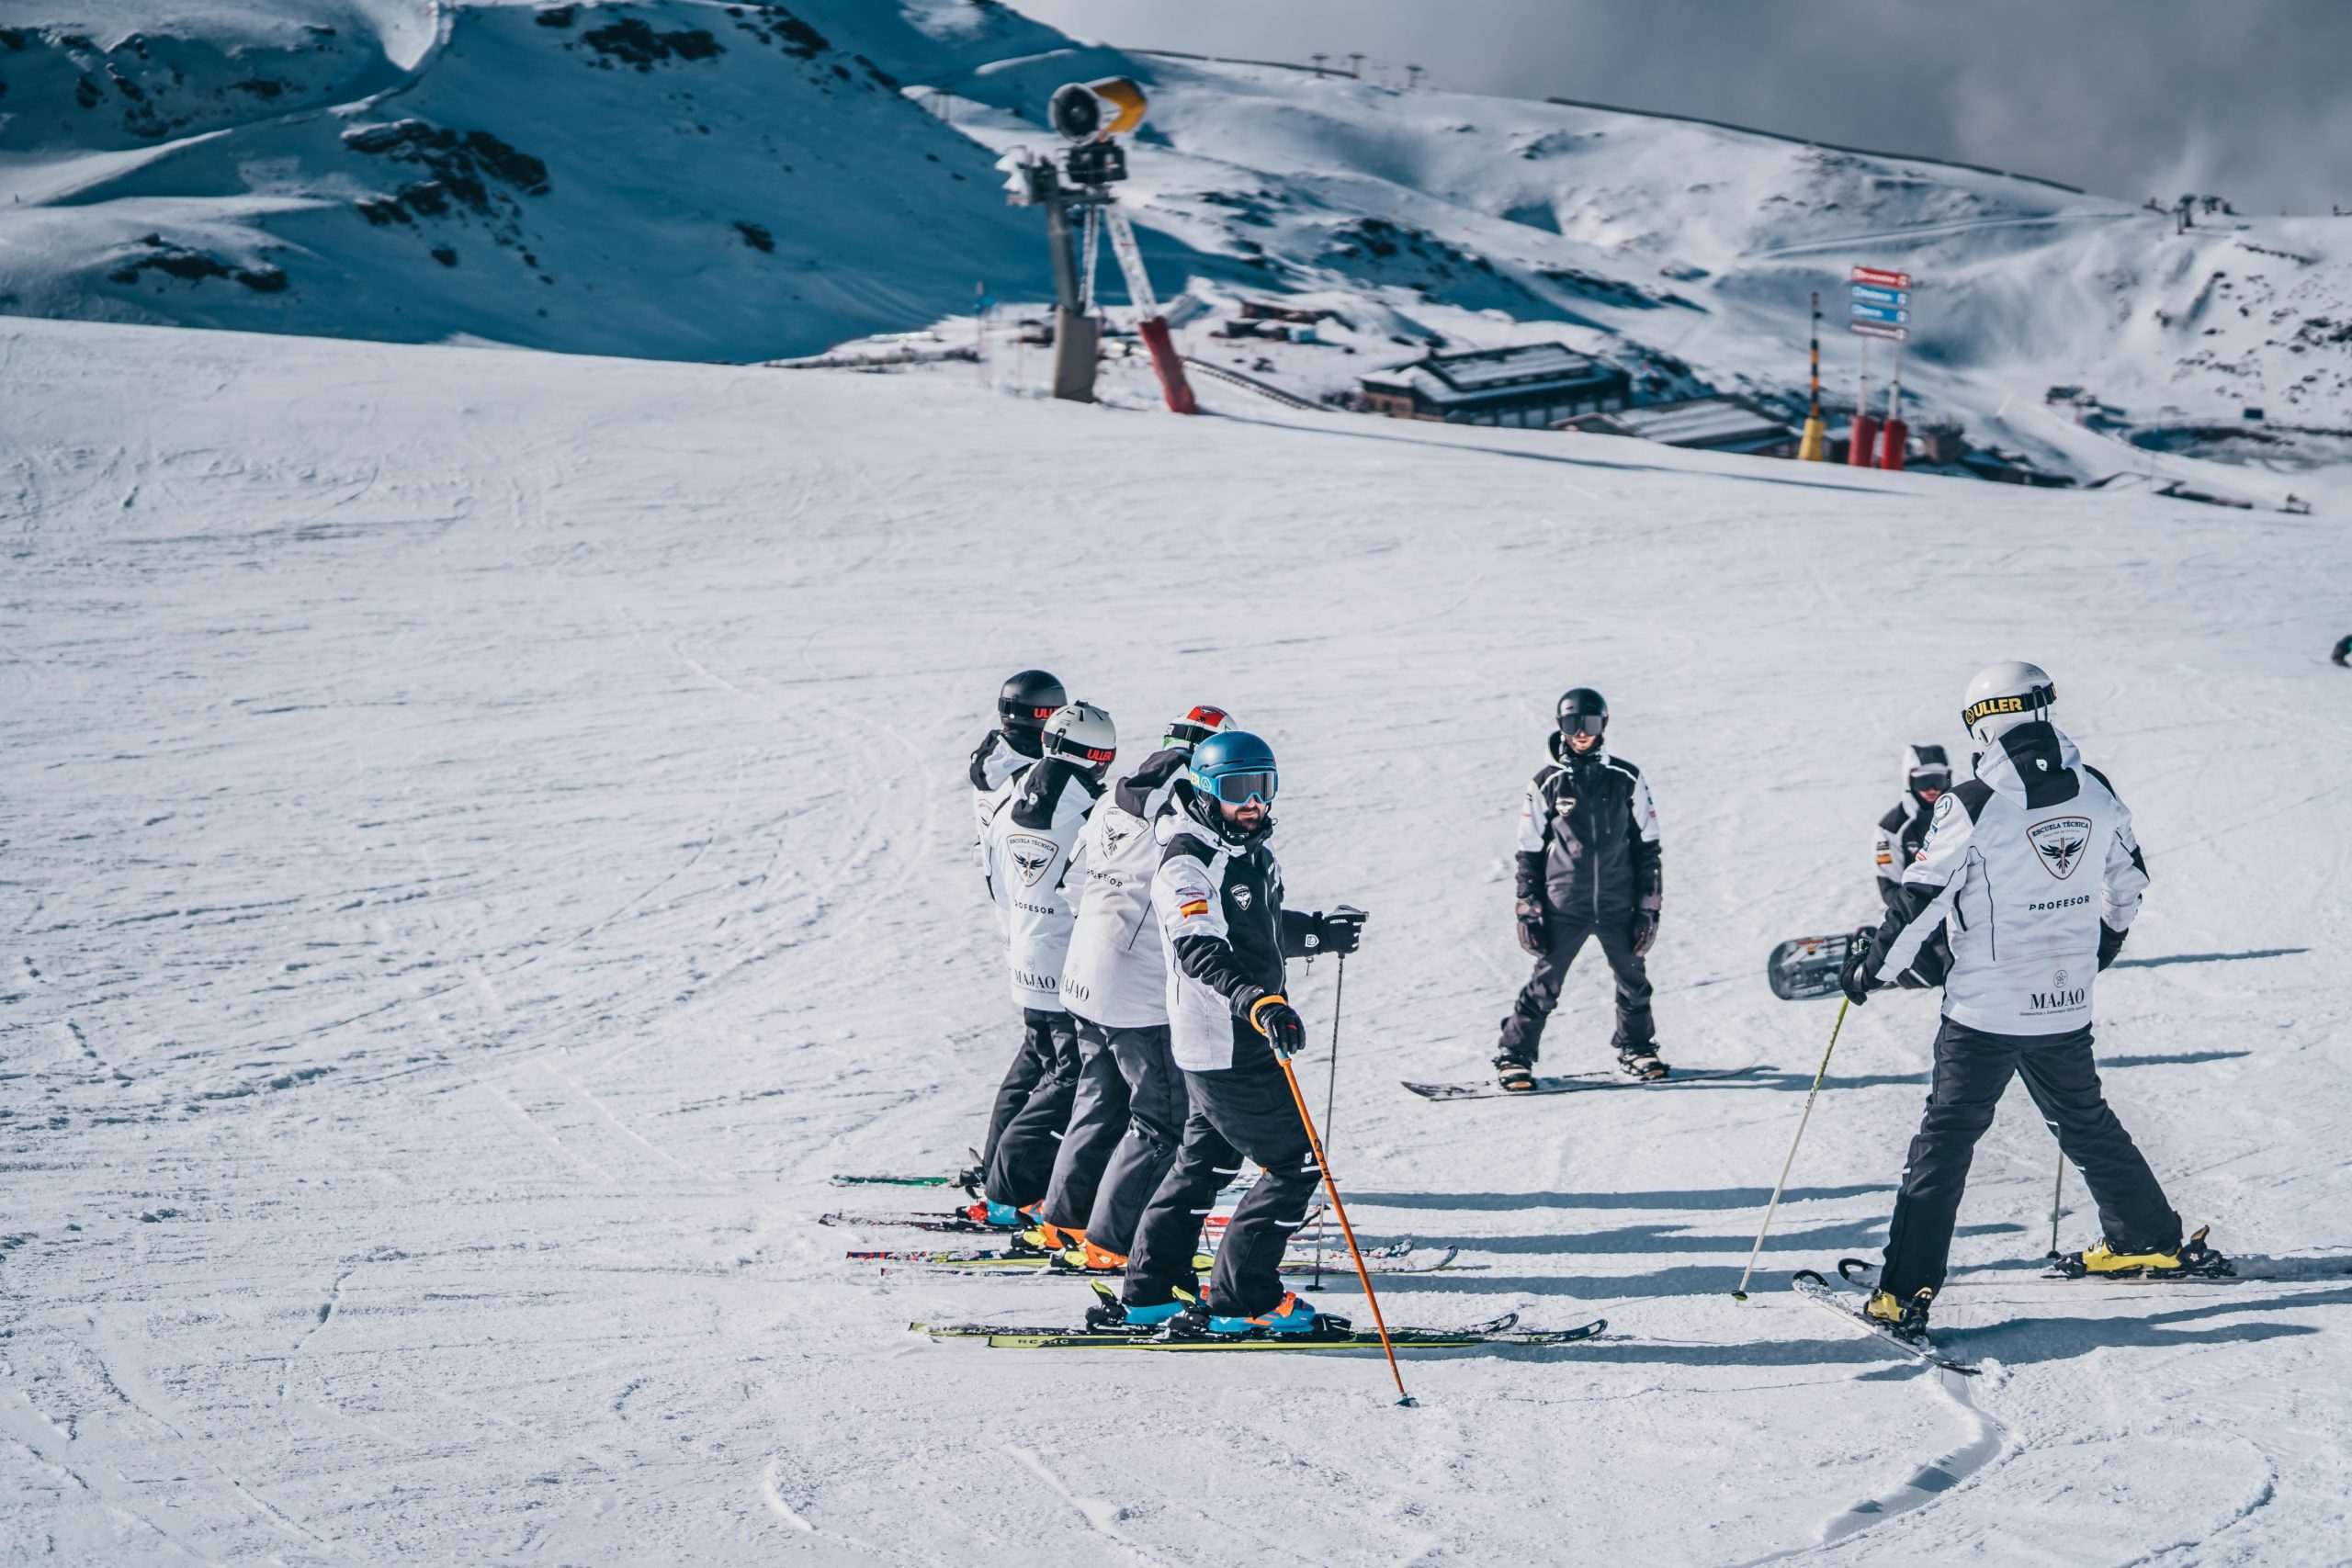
1583, 723
2035, 701
1242, 789
1931, 781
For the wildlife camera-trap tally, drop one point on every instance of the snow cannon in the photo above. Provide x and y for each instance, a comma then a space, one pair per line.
1094, 111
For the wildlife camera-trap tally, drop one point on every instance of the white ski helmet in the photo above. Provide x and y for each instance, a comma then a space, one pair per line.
1196, 726
1084, 734
2006, 695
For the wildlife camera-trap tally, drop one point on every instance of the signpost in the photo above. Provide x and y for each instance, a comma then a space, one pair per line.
1879, 307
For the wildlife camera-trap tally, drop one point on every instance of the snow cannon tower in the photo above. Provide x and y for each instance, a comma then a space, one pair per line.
1090, 115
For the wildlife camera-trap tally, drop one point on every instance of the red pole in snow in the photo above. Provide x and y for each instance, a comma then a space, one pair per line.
1861, 451
1894, 434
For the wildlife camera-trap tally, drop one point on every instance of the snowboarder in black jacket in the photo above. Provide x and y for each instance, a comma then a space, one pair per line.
1588, 867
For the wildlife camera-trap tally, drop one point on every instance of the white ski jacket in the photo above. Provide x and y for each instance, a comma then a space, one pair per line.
996, 768
2006, 865
1116, 974
1219, 903
1030, 851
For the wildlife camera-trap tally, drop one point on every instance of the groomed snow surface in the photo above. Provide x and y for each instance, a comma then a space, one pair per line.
486, 840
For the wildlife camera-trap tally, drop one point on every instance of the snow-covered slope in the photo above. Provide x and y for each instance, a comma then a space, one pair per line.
484, 836
685, 178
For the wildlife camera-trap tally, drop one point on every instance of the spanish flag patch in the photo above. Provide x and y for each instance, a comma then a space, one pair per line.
1189, 911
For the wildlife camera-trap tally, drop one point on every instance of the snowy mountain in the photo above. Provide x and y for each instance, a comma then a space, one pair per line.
486, 839
692, 180
679, 180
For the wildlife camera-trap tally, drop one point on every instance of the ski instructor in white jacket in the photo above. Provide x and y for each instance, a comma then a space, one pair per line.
1128, 1114
2032, 868
1035, 861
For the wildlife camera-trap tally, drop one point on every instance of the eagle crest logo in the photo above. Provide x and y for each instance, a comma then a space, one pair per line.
1241, 897
1032, 854
2060, 842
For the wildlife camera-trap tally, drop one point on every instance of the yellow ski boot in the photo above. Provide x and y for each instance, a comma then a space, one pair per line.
2191, 1259
1908, 1319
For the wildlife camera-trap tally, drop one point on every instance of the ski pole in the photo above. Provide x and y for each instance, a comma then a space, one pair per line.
1315, 1142
2057, 1195
1330, 1093
1741, 1295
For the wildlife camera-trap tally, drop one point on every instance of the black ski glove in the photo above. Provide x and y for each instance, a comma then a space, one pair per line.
1274, 1018
1531, 925
1644, 931
1339, 931
1854, 975
2110, 943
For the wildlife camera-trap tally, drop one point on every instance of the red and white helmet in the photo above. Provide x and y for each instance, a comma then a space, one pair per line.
1197, 725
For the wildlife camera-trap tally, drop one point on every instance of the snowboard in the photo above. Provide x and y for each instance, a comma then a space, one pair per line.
1805, 967
1571, 1083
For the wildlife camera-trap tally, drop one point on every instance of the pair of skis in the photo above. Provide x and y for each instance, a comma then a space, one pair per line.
1858, 1280
1503, 1330
1396, 1257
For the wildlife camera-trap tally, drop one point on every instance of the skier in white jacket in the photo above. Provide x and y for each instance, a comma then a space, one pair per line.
1035, 864
2032, 868
1128, 1113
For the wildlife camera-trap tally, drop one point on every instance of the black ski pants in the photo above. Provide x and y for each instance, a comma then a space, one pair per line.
1097, 1116
1973, 1068
1242, 1112
1032, 1108
1524, 1030
1153, 1097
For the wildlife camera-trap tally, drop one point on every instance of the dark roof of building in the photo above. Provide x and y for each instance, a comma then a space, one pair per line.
1523, 370
1713, 423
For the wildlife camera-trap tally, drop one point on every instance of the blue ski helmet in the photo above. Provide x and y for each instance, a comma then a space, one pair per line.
1235, 767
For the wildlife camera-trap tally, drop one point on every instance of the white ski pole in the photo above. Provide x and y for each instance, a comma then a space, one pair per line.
1741, 1295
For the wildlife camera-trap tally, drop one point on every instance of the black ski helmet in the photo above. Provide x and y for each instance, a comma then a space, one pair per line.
1582, 708
1028, 700
1927, 773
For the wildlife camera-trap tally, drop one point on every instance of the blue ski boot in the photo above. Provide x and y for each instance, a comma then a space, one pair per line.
1109, 1315
1292, 1317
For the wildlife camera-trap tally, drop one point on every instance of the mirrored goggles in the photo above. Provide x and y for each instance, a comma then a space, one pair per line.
1241, 789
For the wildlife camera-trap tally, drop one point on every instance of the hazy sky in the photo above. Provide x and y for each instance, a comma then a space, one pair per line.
2248, 99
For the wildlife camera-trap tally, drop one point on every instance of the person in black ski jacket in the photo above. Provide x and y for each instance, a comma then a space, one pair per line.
1588, 868
1927, 775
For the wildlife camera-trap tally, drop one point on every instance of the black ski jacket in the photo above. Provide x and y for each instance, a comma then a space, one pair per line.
1587, 838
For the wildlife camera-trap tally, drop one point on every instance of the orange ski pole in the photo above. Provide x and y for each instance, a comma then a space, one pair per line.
1315, 1142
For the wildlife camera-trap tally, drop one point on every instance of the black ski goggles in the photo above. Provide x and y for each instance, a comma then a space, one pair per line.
1583, 723
1242, 789
1927, 779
